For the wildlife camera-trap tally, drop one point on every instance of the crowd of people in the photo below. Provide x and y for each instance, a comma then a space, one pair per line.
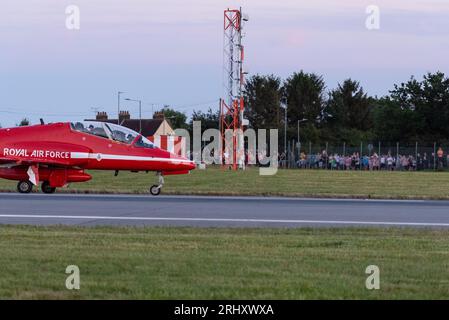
335, 161
373, 162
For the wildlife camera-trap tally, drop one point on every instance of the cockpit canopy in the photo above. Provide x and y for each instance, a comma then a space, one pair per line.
113, 132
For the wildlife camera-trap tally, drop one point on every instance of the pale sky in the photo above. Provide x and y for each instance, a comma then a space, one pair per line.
170, 51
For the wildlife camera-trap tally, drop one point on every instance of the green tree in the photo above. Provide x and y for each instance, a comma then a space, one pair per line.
176, 118
350, 107
429, 100
209, 119
262, 101
305, 96
393, 123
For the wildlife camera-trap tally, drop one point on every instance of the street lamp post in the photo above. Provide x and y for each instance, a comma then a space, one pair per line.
285, 132
140, 112
299, 139
118, 107
299, 121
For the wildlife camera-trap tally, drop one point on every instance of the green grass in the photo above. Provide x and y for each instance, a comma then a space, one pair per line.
312, 183
208, 263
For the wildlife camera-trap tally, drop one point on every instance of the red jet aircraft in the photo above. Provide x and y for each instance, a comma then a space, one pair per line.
59, 153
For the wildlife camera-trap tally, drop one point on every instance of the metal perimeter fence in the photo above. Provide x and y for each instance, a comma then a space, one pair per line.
366, 156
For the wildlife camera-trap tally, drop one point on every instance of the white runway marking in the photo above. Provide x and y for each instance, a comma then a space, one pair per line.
340, 222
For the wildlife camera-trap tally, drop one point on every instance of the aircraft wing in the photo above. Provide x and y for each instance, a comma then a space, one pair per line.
4, 162
14, 161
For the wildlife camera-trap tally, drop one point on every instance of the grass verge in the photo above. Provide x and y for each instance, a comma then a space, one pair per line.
208, 263
290, 183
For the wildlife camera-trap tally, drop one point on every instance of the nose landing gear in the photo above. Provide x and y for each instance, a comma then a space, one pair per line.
156, 188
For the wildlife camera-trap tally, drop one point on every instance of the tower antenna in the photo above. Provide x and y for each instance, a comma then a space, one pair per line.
232, 106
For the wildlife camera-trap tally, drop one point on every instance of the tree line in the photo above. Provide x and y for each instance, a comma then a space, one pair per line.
417, 110
412, 111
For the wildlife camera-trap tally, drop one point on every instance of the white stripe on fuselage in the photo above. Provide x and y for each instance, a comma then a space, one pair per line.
102, 156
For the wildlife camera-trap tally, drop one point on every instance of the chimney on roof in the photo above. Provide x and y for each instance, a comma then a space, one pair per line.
102, 116
124, 115
159, 115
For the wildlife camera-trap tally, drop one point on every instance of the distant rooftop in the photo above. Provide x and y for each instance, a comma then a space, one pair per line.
149, 126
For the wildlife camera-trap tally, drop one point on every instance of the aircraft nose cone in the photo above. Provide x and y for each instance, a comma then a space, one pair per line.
185, 163
190, 165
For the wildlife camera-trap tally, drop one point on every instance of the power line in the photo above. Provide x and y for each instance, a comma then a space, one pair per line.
190, 106
23, 111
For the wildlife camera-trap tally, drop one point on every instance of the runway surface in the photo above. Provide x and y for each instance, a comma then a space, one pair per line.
89, 210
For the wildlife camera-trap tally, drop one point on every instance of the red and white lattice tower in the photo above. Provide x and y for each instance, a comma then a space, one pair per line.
232, 106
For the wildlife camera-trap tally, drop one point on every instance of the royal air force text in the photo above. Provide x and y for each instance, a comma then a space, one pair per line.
35, 153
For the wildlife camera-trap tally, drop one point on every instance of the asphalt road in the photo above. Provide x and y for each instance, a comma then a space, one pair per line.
88, 210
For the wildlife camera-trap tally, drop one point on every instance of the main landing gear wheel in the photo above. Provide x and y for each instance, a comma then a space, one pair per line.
46, 188
155, 189
24, 187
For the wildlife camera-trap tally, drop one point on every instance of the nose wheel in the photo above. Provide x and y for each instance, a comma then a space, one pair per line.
155, 189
